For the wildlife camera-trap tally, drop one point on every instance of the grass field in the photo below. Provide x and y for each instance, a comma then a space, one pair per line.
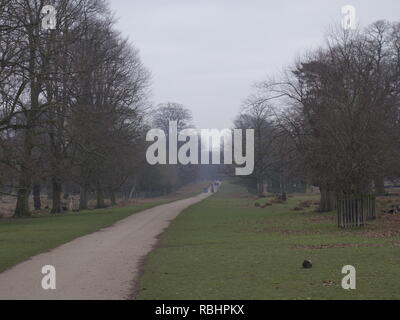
23, 238
226, 248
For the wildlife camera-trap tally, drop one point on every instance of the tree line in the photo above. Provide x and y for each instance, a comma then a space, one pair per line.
331, 119
75, 108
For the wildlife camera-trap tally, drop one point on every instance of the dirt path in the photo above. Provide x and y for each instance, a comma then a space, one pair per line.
101, 265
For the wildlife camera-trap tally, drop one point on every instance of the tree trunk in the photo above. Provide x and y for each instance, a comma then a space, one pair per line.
100, 197
56, 206
260, 187
67, 191
22, 207
328, 199
25, 179
379, 186
113, 200
37, 203
24, 188
83, 200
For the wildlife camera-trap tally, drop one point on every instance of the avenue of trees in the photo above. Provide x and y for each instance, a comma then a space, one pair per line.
332, 119
74, 108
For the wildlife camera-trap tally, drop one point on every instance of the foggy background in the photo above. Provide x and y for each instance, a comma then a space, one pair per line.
207, 54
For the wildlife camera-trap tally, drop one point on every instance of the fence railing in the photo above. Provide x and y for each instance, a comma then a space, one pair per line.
355, 211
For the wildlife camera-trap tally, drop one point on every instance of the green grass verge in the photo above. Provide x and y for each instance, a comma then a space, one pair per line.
226, 248
23, 238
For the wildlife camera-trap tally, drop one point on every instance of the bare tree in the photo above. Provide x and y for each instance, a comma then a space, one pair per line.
171, 111
340, 106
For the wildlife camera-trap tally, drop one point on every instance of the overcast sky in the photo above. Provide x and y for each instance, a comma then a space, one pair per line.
207, 54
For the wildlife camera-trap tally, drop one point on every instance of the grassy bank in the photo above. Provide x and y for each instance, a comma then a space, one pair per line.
23, 238
226, 248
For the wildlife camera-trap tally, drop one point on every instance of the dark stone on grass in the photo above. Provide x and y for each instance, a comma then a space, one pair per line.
307, 264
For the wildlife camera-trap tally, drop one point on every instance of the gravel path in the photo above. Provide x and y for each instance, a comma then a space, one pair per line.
101, 265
